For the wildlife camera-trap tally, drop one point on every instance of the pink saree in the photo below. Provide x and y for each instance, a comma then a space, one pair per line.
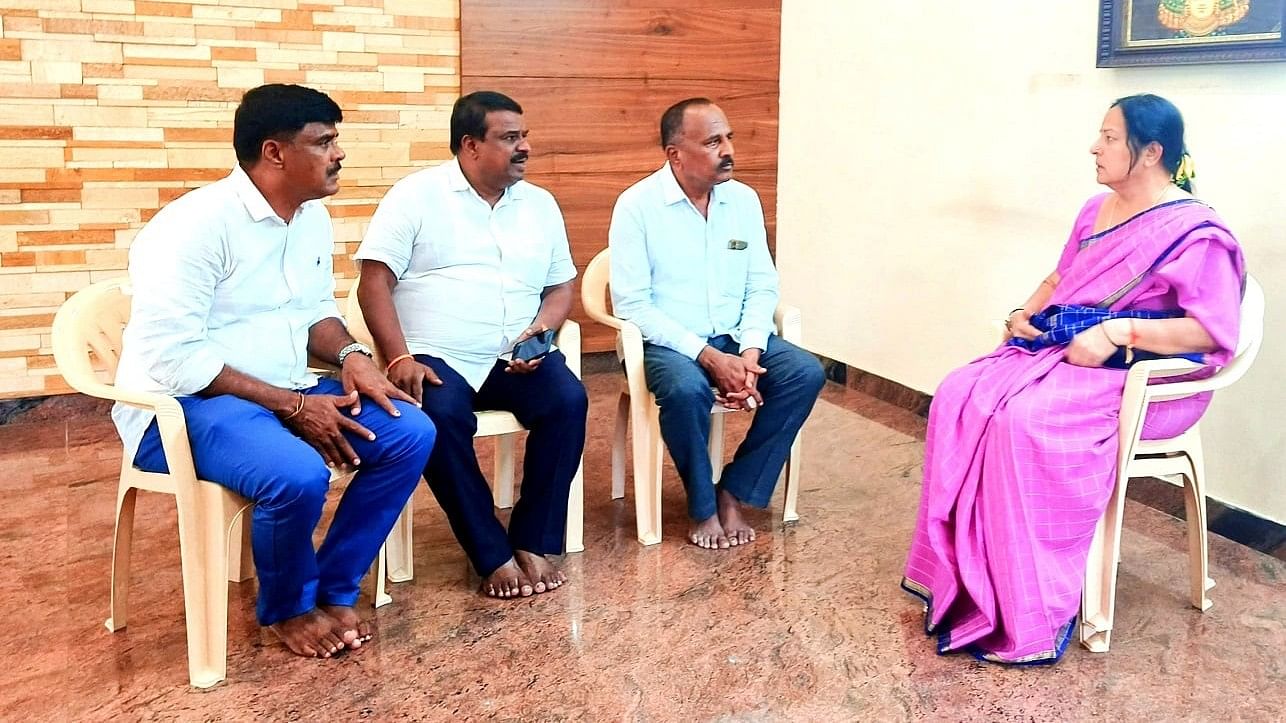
1020, 455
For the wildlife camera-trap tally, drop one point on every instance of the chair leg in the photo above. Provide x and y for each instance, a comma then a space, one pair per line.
1098, 596
379, 573
574, 537
618, 446
241, 559
122, 546
647, 471
503, 487
716, 446
400, 560
790, 513
1194, 502
203, 548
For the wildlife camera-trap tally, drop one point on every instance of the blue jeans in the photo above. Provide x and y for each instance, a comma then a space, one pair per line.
551, 403
244, 447
683, 391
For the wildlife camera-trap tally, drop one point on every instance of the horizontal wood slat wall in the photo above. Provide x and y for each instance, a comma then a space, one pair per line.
593, 77
112, 108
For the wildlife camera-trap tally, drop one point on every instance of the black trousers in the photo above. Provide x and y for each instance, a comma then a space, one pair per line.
551, 403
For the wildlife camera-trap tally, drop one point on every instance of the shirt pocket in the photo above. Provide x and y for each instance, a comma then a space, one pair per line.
734, 265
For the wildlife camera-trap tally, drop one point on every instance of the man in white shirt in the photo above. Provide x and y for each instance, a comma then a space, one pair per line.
462, 262
691, 268
232, 290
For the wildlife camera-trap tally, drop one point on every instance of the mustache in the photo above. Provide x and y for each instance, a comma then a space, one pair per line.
333, 169
518, 158
726, 163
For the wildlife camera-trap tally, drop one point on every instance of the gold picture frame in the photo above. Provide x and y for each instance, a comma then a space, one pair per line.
1180, 32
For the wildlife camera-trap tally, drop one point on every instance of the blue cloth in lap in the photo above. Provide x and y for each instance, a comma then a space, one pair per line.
1061, 322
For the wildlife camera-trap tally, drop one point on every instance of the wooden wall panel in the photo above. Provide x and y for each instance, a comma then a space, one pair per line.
698, 39
594, 76
609, 125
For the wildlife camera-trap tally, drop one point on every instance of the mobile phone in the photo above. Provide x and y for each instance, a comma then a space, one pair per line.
534, 347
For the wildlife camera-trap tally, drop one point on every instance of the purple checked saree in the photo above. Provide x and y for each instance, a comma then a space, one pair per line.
1020, 455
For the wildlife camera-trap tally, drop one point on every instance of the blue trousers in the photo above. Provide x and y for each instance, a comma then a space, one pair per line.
246, 448
683, 392
551, 403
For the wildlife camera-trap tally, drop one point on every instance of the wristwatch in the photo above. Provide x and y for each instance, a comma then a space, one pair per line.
356, 346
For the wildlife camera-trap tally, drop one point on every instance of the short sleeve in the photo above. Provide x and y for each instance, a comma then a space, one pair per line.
561, 267
1206, 279
391, 234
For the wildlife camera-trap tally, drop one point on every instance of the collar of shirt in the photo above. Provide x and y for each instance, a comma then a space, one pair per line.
672, 192
253, 199
456, 181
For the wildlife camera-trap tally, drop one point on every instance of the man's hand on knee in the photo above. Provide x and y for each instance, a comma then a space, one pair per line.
321, 422
361, 375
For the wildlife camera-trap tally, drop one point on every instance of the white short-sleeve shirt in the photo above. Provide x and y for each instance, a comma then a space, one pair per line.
469, 275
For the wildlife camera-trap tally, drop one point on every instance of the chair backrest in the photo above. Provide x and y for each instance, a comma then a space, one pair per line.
594, 286
356, 322
87, 333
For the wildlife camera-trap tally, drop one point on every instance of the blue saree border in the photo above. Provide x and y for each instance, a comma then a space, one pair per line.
1046, 657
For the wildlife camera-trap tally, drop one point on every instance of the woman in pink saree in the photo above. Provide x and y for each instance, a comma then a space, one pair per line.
1020, 455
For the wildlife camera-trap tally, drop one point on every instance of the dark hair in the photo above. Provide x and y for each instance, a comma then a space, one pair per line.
469, 115
672, 119
1153, 119
276, 111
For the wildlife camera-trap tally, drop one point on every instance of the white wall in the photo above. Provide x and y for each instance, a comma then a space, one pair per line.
933, 156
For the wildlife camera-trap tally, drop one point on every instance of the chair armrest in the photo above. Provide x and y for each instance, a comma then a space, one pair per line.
629, 344
150, 401
568, 340
789, 322
603, 317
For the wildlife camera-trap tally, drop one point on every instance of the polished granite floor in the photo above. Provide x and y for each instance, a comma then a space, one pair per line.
805, 624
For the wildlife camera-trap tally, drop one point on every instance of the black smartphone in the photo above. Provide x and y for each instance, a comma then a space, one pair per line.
534, 347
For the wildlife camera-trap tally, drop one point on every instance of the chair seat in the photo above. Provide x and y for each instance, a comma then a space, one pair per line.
492, 423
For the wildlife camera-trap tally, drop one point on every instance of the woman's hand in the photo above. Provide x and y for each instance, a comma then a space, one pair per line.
1019, 324
1091, 347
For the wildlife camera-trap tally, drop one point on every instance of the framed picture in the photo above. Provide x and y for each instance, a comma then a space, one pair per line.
1179, 32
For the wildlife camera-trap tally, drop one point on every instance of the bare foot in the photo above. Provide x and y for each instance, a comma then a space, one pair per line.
312, 634
507, 581
541, 571
350, 626
734, 525
708, 534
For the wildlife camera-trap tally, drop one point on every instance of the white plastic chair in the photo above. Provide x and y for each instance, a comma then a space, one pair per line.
1180, 456
637, 408
501, 425
214, 534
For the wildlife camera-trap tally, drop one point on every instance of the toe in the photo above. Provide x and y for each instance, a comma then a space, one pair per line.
539, 586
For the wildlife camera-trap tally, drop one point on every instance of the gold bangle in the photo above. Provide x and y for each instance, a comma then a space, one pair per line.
298, 409
397, 359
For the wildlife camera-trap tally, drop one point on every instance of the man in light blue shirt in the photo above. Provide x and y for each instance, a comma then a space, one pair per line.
691, 268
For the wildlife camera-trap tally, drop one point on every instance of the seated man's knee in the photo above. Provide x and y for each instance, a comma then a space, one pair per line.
800, 370
304, 487
685, 390
414, 428
812, 375
449, 413
569, 402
